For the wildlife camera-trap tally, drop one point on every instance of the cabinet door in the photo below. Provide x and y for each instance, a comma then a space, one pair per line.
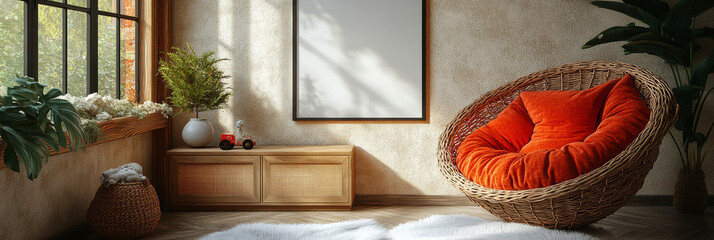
215, 179
306, 179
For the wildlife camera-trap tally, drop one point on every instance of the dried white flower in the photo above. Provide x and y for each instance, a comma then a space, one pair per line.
103, 116
102, 108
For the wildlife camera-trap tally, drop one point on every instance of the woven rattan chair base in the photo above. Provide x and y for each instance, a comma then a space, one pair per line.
589, 197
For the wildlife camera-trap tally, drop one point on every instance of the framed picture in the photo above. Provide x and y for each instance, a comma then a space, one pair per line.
360, 60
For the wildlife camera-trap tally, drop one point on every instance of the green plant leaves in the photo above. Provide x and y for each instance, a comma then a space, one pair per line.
616, 34
64, 116
10, 159
630, 10
678, 22
28, 152
671, 37
195, 80
701, 6
699, 138
704, 32
702, 71
657, 8
669, 53
32, 122
685, 96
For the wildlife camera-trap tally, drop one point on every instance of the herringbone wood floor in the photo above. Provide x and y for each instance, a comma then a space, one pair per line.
630, 222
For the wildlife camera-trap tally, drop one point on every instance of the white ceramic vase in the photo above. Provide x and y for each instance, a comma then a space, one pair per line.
197, 133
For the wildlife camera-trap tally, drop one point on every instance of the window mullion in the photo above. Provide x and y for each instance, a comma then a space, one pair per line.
118, 53
64, 49
137, 50
93, 47
31, 42
118, 58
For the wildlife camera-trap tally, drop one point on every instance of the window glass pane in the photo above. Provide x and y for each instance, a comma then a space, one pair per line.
11, 42
128, 57
108, 5
128, 7
76, 53
107, 56
50, 46
80, 3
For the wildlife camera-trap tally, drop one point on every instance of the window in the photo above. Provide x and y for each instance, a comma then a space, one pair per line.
79, 46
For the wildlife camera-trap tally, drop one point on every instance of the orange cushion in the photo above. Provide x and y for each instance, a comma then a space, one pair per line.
511, 129
562, 117
494, 155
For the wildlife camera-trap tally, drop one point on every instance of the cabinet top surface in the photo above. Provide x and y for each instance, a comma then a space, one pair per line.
264, 150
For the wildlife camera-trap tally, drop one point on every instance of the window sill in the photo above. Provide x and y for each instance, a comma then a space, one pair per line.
116, 129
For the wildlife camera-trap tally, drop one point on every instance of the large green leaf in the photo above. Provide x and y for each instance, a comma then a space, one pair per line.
657, 8
65, 115
704, 32
650, 36
699, 138
30, 83
685, 95
669, 53
52, 93
10, 157
701, 6
22, 94
30, 153
630, 10
702, 71
32, 123
10, 113
615, 34
678, 22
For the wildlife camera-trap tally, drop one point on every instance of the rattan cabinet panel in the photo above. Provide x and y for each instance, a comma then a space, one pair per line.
216, 179
266, 177
305, 178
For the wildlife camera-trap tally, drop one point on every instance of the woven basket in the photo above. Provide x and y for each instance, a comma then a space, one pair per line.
588, 197
124, 210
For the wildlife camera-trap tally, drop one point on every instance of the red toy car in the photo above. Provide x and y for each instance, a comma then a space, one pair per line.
228, 141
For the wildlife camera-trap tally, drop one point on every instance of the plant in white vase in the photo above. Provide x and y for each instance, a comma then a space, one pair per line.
196, 86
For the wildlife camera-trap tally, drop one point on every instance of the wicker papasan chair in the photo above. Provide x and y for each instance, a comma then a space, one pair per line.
589, 197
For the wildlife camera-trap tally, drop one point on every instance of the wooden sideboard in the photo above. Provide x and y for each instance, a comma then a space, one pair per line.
263, 178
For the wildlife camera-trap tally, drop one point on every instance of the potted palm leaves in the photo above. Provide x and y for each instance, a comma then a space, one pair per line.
671, 33
195, 83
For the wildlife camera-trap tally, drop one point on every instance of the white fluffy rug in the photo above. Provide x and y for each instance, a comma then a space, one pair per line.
451, 227
364, 229
455, 227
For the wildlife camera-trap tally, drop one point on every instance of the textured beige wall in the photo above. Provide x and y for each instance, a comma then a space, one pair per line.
57, 201
477, 45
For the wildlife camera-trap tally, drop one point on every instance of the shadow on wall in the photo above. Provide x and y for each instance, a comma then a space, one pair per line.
370, 174
255, 35
230, 15
316, 95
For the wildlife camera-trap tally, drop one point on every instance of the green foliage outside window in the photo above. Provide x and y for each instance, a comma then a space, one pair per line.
50, 48
11, 42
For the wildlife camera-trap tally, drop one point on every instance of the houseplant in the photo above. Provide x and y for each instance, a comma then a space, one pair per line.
195, 83
32, 122
671, 34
